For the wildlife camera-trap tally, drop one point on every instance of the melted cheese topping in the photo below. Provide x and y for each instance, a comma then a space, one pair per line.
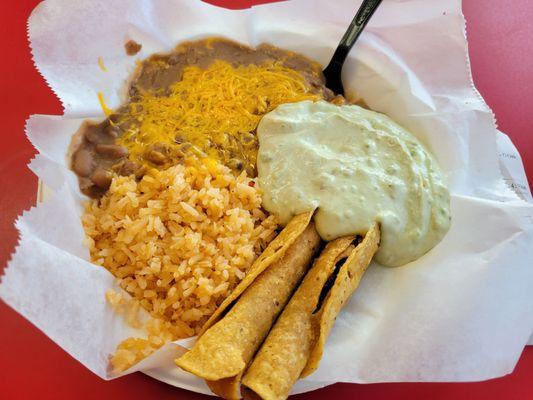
215, 110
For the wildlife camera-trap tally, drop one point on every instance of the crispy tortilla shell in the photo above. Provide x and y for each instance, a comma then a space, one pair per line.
274, 251
222, 353
227, 388
348, 279
295, 343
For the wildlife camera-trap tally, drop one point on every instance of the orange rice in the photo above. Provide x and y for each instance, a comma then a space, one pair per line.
179, 241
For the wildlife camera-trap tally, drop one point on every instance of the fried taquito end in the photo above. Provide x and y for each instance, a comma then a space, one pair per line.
295, 344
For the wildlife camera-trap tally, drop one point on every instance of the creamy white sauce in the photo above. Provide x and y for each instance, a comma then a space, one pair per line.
355, 167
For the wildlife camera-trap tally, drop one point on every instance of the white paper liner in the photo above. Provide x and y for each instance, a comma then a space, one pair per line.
460, 313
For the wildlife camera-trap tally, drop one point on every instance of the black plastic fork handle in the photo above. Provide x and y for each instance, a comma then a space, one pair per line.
357, 25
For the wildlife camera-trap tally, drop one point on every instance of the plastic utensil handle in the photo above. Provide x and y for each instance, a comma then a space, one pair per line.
354, 30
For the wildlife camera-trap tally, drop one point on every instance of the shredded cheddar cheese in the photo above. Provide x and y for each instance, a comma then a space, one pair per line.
101, 64
214, 111
107, 111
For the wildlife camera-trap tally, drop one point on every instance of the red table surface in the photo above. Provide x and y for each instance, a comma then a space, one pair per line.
32, 366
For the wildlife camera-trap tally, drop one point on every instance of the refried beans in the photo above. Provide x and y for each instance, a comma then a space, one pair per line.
168, 116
